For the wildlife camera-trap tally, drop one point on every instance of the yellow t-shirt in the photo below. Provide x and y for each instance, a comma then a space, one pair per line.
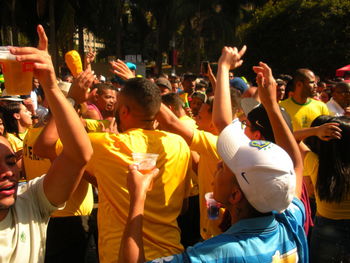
189, 121
326, 209
194, 177
80, 203
34, 165
16, 143
109, 163
96, 125
302, 115
205, 144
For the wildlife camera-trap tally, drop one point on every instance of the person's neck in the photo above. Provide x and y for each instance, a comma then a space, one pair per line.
21, 129
299, 98
3, 213
139, 125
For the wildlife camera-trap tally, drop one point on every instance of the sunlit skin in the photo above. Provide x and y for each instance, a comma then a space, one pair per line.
107, 100
204, 119
9, 175
24, 118
195, 105
2, 128
309, 84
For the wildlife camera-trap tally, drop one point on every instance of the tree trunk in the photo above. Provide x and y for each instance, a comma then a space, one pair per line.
81, 41
118, 31
53, 45
14, 33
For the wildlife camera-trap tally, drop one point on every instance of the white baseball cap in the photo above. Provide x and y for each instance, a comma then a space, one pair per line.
264, 171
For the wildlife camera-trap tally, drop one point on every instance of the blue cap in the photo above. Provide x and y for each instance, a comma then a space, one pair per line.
131, 66
239, 83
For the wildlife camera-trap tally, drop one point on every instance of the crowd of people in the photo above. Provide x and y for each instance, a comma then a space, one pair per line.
273, 153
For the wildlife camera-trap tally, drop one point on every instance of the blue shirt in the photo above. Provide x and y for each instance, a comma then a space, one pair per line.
262, 239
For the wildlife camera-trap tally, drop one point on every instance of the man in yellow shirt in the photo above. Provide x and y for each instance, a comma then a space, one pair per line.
300, 106
137, 106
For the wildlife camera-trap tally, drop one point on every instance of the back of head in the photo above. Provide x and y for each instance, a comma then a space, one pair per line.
259, 120
143, 96
173, 99
333, 180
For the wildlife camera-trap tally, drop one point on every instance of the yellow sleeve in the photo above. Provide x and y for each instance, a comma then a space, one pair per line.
96, 125
325, 110
311, 166
204, 143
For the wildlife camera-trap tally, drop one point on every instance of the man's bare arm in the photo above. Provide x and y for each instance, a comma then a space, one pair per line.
222, 109
283, 135
67, 169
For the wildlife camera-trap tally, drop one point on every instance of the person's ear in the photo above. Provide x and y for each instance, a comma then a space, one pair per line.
124, 111
16, 116
236, 196
299, 85
257, 135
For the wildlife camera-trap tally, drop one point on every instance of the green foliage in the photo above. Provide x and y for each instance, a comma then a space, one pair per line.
291, 34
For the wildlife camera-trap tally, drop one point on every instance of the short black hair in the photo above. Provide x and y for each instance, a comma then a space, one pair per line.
259, 121
300, 75
172, 99
145, 94
102, 87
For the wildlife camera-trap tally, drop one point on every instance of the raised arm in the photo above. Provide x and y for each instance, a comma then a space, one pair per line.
131, 247
222, 110
171, 123
283, 135
67, 169
45, 145
325, 132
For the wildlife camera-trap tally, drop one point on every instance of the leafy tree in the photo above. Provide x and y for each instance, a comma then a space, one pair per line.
291, 34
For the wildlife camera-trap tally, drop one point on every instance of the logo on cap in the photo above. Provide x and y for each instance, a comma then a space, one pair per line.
259, 144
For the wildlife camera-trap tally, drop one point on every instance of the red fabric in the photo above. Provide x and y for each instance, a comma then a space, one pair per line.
340, 71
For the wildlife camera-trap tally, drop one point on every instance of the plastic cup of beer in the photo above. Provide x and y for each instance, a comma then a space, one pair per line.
146, 162
18, 76
213, 207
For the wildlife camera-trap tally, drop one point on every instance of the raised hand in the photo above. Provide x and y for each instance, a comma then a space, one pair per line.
79, 90
43, 68
121, 69
266, 84
231, 57
90, 56
138, 183
111, 128
329, 131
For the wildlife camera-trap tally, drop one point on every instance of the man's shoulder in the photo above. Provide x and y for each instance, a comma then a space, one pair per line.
318, 103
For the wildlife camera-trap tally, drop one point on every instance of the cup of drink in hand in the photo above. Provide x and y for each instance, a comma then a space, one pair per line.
18, 76
213, 207
146, 162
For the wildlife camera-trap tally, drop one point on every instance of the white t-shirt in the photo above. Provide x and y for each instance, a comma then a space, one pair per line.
23, 230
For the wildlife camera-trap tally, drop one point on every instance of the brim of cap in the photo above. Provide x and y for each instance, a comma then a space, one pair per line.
9, 98
248, 104
230, 140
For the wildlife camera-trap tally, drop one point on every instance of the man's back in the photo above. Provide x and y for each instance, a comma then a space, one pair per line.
112, 155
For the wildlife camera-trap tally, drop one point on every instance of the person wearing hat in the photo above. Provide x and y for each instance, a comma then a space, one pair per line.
189, 83
197, 100
258, 182
164, 85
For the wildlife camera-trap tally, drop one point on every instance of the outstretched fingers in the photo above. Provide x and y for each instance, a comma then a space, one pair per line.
43, 41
